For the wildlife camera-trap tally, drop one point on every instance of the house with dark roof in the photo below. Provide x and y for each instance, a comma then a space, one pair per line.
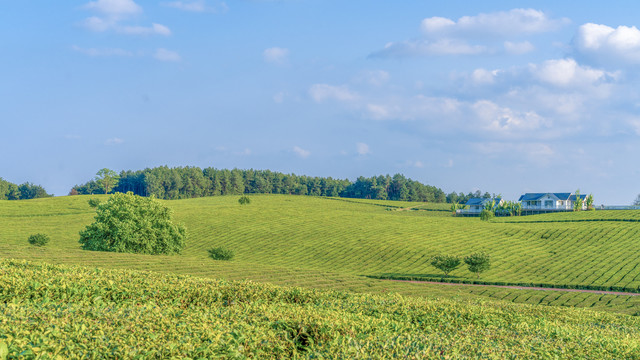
477, 204
549, 201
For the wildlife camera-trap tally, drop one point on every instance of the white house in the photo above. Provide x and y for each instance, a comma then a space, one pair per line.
549, 201
477, 204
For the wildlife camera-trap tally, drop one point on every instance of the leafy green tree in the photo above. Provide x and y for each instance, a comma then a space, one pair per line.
478, 262
244, 200
589, 202
133, 224
446, 263
577, 205
108, 179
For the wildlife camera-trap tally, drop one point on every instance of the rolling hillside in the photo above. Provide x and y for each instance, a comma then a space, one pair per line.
335, 243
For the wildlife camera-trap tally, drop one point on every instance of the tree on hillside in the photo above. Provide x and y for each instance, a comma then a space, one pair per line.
446, 263
577, 205
478, 262
589, 202
107, 178
636, 202
133, 224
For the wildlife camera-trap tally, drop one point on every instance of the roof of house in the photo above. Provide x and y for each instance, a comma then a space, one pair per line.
481, 201
538, 196
582, 196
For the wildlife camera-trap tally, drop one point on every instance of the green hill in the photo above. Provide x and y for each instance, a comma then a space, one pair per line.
77, 312
332, 243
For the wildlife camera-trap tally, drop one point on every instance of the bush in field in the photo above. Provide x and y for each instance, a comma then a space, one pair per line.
244, 200
446, 263
478, 262
486, 215
221, 253
38, 239
133, 224
93, 202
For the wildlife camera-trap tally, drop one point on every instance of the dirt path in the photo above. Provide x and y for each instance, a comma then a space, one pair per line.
522, 287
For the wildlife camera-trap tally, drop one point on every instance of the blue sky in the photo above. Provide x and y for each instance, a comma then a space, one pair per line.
507, 97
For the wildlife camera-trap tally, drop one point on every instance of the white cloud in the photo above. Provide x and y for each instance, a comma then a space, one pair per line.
154, 29
518, 48
166, 55
103, 51
276, 55
444, 36
505, 24
362, 148
197, 6
505, 121
608, 45
114, 141
115, 8
567, 72
114, 13
429, 48
483, 77
322, 92
301, 152
375, 77
97, 24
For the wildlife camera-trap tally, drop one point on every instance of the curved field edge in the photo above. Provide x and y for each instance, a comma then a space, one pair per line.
84, 312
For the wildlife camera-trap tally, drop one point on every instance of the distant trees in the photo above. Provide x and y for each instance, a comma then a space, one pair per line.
10, 191
189, 182
244, 200
636, 202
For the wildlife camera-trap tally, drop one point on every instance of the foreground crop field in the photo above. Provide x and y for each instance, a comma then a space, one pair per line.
334, 243
76, 312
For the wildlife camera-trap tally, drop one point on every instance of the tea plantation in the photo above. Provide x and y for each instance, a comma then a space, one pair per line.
76, 312
345, 245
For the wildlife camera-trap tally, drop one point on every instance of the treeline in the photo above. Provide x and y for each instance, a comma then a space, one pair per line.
190, 182
461, 198
11, 191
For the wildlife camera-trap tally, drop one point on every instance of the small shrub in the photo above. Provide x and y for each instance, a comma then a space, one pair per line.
38, 239
221, 253
93, 202
244, 200
486, 215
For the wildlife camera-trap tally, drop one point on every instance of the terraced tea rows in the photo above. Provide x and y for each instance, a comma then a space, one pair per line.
318, 241
75, 312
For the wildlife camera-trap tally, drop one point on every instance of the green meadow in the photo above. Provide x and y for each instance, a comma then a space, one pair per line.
305, 282
343, 244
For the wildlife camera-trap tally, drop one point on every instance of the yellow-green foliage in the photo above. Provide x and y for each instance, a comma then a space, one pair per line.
328, 243
77, 312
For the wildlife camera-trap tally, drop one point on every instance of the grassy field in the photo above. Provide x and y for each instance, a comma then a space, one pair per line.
334, 243
77, 312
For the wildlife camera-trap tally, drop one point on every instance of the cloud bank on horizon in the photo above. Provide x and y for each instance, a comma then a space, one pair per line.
505, 100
